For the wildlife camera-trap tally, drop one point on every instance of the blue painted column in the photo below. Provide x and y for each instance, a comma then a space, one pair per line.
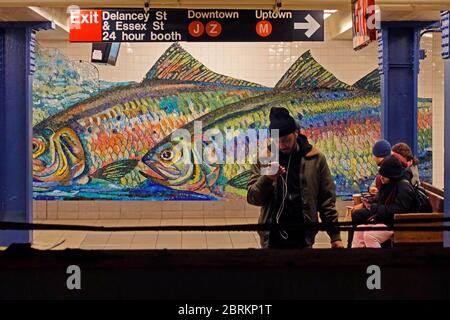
447, 148
399, 68
17, 42
445, 29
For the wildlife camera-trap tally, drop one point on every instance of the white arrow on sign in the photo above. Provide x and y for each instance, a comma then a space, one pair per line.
311, 26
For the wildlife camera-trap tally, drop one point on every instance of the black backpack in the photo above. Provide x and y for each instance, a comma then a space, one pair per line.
423, 204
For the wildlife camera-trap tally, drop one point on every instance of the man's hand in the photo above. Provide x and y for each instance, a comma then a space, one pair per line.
357, 207
337, 244
281, 170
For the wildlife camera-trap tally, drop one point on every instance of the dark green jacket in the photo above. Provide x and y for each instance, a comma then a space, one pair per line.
318, 192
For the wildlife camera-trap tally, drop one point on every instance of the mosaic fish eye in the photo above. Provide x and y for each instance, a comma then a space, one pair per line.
167, 155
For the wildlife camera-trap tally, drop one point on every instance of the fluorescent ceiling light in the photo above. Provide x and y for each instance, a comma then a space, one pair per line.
327, 13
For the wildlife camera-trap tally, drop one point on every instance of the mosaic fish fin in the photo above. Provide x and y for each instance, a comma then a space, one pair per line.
370, 82
116, 170
240, 181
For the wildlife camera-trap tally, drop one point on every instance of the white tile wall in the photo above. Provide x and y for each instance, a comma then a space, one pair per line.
146, 210
437, 92
260, 62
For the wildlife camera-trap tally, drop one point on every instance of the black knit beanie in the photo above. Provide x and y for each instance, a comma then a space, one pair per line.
391, 168
281, 119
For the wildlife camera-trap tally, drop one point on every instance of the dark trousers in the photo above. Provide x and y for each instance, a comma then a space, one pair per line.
295, 240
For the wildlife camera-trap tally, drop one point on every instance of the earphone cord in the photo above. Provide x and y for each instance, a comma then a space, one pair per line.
283, 233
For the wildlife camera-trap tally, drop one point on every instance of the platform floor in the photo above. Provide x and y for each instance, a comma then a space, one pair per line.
59, 240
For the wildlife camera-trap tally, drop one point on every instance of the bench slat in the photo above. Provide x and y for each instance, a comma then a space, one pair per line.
433, 189
422, 237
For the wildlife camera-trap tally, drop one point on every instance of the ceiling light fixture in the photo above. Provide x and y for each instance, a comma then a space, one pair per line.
328, 13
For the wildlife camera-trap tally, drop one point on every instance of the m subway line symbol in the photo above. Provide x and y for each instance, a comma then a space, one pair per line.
263, 28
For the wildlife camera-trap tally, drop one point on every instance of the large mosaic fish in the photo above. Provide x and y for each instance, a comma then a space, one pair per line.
122, 135
105, 136
340, 120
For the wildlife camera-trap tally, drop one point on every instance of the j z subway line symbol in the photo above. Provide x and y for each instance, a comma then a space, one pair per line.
311, 26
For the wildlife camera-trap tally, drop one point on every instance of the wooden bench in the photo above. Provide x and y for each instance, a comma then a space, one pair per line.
405, 238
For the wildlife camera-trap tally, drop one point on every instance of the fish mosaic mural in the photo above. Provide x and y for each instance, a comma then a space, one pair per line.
60, 83
116, 144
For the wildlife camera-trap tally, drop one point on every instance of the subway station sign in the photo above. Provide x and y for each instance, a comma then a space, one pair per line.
160, 25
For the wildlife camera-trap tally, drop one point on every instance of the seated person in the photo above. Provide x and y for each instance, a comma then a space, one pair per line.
380, 150
411, 162
396, 195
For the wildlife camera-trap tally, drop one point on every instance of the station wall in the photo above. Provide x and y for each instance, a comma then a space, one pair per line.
97, 134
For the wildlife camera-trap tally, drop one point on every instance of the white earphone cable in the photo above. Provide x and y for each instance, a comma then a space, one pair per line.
283, 233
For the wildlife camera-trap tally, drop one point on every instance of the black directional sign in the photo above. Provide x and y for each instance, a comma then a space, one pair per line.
161, 25
257, 25
308, 26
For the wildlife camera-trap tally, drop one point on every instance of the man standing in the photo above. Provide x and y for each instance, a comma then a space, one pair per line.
300, 189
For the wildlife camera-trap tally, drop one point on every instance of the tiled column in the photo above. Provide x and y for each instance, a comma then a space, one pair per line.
399, 60
447, 148
16, 72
